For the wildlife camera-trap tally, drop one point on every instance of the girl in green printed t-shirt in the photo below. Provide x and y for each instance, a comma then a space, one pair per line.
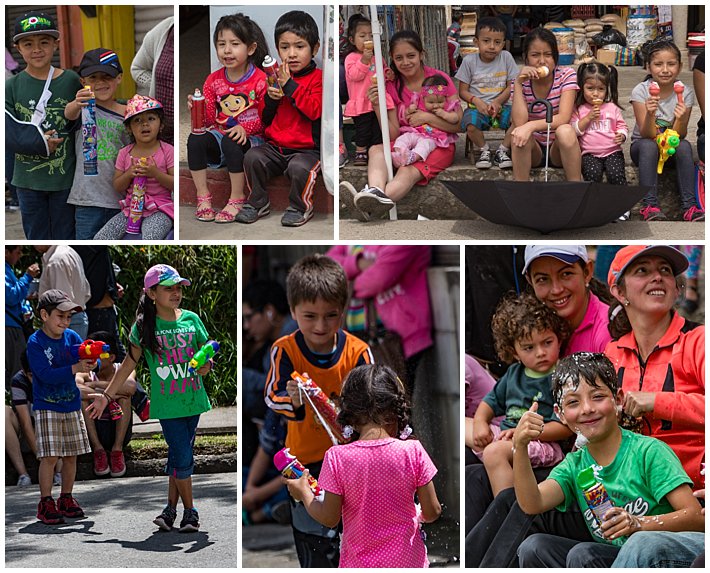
168, 337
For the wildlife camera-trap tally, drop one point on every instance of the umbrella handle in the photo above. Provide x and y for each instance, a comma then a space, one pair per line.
548, 109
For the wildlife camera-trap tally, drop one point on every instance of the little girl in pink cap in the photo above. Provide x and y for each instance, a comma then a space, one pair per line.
148, 157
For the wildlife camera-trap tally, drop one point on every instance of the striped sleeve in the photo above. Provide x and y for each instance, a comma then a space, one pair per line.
275, 394
365, 357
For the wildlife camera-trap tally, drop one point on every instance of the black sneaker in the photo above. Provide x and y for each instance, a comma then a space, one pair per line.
250, 214
166, 519
292, 217
373, 202
502, 160
484, 160
190, 521
47, 512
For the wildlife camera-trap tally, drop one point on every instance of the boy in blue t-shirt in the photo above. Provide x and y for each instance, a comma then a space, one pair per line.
59, 426
644, 479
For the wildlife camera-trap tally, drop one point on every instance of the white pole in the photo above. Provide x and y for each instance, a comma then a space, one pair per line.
382, 102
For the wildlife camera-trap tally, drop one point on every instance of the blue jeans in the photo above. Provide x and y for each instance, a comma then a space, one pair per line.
179, 434
644, 153
661, 549
46, 214
80, 324
281, 495
90, 220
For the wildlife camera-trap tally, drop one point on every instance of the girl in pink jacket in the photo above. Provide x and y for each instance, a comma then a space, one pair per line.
396, 278
599, 124
359, 76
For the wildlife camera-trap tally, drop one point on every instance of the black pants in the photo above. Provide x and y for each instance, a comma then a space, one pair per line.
544, 550
316, 545
593, 168
301, 166
204, 150
367, 130
493, 540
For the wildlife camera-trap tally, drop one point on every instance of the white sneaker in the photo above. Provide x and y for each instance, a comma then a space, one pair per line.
484, 160
24, 481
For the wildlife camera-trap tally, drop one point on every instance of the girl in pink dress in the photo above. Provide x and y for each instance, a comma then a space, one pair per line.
370, 483
416, 143
144, 121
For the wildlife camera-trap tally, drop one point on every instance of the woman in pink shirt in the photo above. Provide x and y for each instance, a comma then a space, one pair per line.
371, 482
379, 195
562, 278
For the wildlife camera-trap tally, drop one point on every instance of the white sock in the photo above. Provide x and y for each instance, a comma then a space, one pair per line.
502, 147
485, 147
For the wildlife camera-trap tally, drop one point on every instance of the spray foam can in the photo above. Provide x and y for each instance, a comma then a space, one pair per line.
89, 132
291, 468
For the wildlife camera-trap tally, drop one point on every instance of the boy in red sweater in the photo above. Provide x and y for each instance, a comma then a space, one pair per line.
291, 115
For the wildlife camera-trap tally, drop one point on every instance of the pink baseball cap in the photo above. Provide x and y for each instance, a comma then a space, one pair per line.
163, 275
677, 260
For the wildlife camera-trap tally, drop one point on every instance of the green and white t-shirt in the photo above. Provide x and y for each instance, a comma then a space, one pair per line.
56, 172
643, 472
174, 392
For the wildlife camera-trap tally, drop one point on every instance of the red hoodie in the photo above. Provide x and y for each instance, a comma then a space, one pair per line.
293, 122
675, 369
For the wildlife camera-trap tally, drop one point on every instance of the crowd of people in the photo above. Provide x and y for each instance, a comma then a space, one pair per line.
606, 377
427, 109
59, 199
368, 465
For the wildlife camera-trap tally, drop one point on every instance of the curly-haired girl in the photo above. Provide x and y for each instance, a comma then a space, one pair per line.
526, 331
371, 481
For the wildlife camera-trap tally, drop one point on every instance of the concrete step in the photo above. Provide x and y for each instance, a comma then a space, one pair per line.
218, 183
435, 201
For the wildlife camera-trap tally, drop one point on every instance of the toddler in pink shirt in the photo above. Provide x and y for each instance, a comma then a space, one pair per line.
600, 127
359, 77
371, 482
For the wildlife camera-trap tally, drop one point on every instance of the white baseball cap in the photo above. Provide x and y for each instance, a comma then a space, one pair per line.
566, 253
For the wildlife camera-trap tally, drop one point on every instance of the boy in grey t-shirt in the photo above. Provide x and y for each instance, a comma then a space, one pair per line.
94, 196
484, 84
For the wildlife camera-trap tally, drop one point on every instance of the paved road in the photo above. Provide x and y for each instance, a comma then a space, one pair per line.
271, 546
467, 230
118, 530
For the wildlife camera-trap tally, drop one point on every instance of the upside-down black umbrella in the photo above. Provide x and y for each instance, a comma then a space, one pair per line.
547, 206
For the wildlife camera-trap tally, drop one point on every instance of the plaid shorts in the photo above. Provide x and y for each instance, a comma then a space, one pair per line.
61, 434
482, 122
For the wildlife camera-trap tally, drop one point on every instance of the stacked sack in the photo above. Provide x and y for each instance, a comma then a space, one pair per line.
581, 45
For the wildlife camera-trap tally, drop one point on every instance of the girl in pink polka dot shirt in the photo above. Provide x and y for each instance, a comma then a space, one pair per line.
371, 482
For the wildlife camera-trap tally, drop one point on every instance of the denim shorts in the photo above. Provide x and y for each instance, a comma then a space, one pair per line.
482, 122
179, 434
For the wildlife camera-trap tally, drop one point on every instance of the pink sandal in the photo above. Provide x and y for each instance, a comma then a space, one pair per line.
225, 216
206, 214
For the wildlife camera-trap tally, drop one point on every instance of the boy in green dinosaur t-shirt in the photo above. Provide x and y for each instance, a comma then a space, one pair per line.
35, 96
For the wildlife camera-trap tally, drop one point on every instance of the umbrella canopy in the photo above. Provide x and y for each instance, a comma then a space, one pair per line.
547, 206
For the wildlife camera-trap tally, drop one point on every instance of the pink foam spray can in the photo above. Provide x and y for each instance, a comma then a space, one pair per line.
291, 468
135, 217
